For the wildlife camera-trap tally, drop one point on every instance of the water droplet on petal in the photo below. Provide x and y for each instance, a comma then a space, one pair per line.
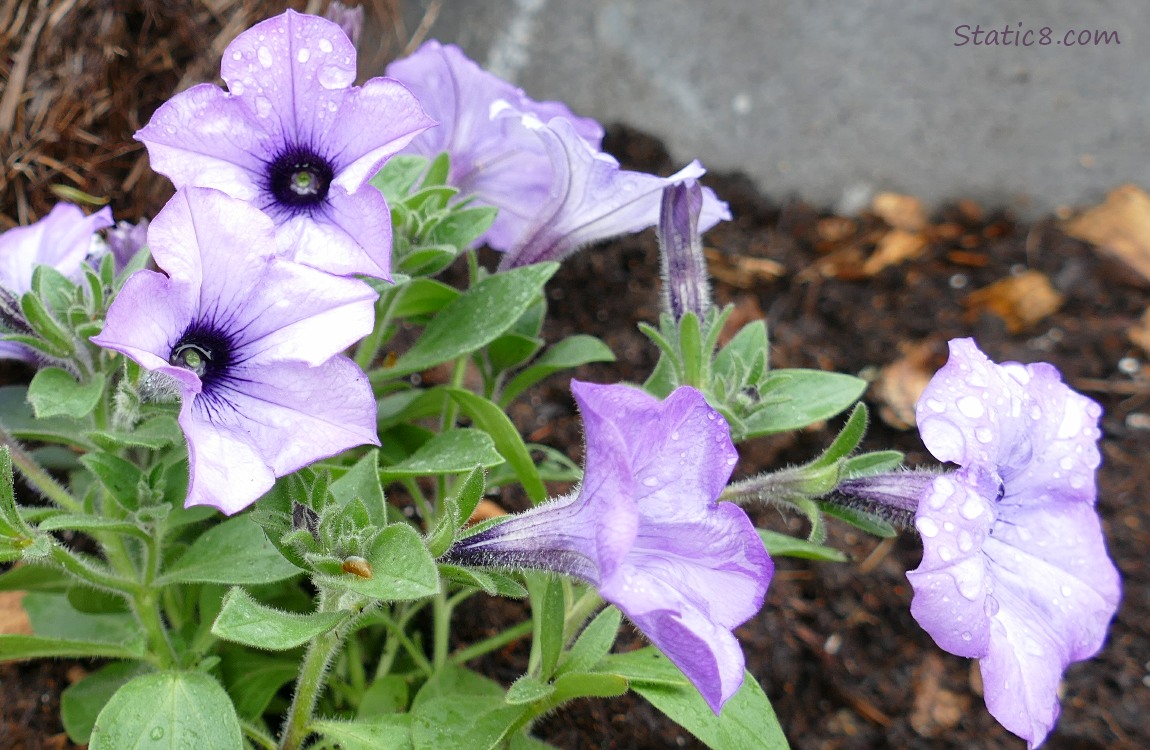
966, 635
331, 77
971, 508
990, 607
651, 482
265, 56
711, 415
1065, 590
971, 407
303, 55
1035, 413
237, 88
984, 434
969, 587
946, 554
263, 106
965, 541
935, 405
325, 46
732, 460
1066, 462
675, 435
927, 527
237, 55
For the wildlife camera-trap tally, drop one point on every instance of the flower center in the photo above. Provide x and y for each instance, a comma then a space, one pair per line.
299, 178
203, 350
191, 357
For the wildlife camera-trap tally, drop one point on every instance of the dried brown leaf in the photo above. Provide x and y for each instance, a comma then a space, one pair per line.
900, 211
740, 271
900, 384
1120, 227
1139, 333
1021, 301
897, 246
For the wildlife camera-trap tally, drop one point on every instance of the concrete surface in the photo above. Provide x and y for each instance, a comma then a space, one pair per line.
832, 100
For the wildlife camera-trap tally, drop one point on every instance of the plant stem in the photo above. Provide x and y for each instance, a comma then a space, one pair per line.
442, 628
310, 682
38, 477
488, 645
584, 607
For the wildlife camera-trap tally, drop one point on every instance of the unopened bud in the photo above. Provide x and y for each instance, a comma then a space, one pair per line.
685, 286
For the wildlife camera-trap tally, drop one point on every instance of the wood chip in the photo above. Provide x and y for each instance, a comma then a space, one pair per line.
13, 618
1120, 227
900, 384
1021, 301
900, 211
486, 509
1139, 333
741, 271
936, 709
898, 246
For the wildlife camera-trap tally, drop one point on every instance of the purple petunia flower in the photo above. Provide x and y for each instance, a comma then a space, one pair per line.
126, 239
646, 530
539, 164
1014, 570
293, 136
63, 239
685, 285
250, 341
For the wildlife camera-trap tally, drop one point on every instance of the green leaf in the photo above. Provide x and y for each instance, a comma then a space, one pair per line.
847, 440
23, 647
451, 452
792, 399
495, 422
872, 463
475, 319
569, 353
244, 620
428, 200
55, 393
574, 685
168, 711
23, 425
460, 227
363, 482
467, 495
120, 478
423, 297
45, 325
861, 520
448, 723
53, 616
398, 176
387, 695
511, 350
438, 170
82, 702
785, 545
79, 522
12, 525
593, 643
747, 722
234, 552
377, 733
750, 346
53, 287
401, 568
427, 260
253, 678
548, 607
528, 689
155, 432
491, 582
35, 578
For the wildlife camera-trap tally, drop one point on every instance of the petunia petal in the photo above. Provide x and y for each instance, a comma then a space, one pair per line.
208, 138
352, 235
149, 314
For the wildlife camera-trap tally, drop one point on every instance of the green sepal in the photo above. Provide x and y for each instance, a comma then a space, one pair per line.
593, 643
785, 545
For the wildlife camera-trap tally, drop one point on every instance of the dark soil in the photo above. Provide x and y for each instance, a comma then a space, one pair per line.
835, 647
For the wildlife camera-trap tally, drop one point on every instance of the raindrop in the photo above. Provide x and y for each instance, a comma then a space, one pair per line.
732, 460
965, 542
971, 407
927, 527
966, 635
969, 587
1066, 462
325, 46
237, 55
263, 106
651, 482
935, 405
675, 435
265, 56
1065, 590
331, 77
972, 508
303, 55
157, 733
237, 88
711, 415
984, 434
946, 554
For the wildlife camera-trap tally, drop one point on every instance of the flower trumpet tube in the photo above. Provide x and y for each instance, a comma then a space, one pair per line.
646, 530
